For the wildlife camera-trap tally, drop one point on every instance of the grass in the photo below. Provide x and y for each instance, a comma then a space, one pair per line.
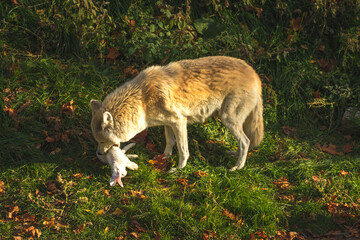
62, 191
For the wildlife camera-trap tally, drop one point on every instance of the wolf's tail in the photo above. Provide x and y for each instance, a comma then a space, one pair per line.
254, 124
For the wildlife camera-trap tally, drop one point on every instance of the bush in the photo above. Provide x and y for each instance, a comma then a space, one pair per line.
308, 49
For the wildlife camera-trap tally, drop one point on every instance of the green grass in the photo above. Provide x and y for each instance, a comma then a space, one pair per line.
61, 180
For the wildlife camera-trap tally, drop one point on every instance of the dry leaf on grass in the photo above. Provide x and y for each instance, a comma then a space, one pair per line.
68, 108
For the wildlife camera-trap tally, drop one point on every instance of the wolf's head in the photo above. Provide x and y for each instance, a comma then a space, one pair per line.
102, 126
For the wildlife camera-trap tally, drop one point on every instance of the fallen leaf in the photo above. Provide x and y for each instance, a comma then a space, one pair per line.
137, 194
282, 183
117, 212
68, 108
32, 231
106, 192
48, 223
343, 173
157, 235
200, 174
2, 188
100, 212
112, 54
10, 111
23, 106
78, 175
159, 162
12, 210
228, 214
330, 149
60, 225
207, 234
135, 234
288, 130
130, 71
135, 223
79, 229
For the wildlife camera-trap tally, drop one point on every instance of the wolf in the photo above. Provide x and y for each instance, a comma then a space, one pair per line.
182, 93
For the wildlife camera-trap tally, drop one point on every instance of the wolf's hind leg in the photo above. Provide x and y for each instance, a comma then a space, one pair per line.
170, 141
233, 114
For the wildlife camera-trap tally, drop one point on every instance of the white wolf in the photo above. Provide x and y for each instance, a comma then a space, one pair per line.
182, 93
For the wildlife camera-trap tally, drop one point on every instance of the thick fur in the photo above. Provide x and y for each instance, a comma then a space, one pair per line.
182, 93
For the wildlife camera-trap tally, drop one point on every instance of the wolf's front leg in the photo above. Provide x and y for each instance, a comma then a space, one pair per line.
180, 132
170, 141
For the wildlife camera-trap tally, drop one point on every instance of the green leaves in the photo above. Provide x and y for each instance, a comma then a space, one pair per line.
208, 27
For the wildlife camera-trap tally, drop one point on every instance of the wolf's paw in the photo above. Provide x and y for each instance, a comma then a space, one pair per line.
233, 169
132, 166
236, 168
172, 170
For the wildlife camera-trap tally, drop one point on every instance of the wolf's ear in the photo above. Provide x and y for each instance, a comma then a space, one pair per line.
95, 105
107, 119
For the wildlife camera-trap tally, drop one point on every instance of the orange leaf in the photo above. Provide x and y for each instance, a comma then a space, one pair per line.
200, 174
49, 139
182, 181
207, 234
48, 223
14, 209
330, 149
23, 106
11, 111
2, 187
137, 194
112, 54
159, 162
79, 229
106, 192
68, 108
32, 231
282, 183
78, 175
228, 214
343, 173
